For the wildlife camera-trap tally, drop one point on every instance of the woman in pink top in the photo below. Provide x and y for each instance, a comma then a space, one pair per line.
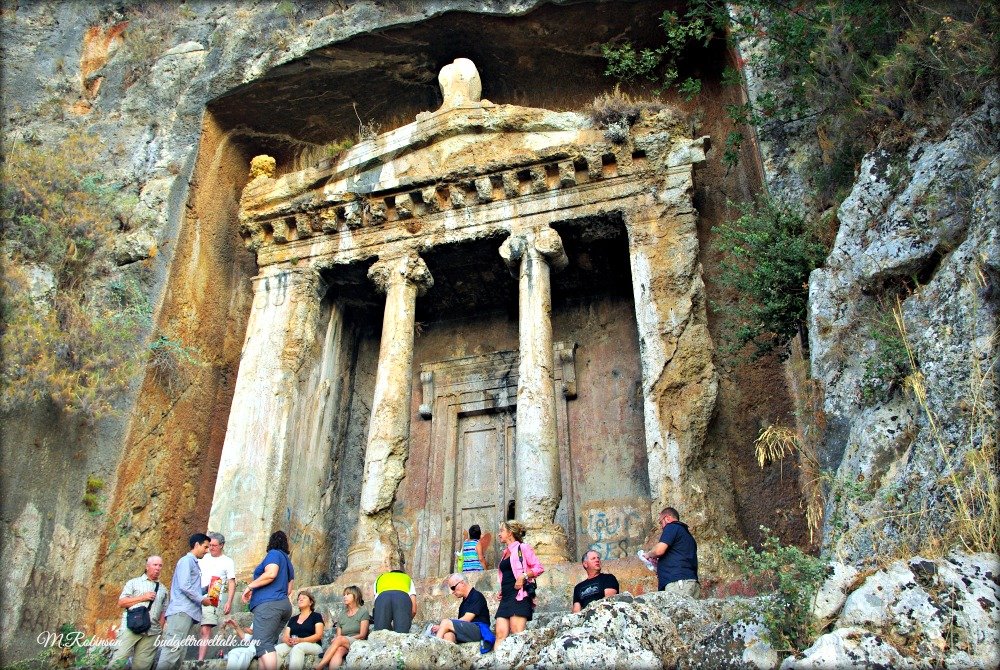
518, 566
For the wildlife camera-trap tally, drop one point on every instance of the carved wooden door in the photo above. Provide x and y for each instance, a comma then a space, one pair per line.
484, 484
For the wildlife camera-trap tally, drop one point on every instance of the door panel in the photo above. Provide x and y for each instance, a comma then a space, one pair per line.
482, 481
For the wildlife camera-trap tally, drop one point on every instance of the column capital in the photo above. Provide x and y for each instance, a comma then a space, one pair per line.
409, 268
544, 241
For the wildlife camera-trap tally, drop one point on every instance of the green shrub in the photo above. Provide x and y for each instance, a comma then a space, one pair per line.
792, 575
889, 364
864, 72
697, 25
76, 346
334, 149
768, 253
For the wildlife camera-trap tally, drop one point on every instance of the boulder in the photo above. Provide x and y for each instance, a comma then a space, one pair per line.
386, 649
832, 592
847, 648
918, 613
135, 246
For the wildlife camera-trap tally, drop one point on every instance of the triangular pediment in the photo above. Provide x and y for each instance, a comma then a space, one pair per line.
467, 169
449, 144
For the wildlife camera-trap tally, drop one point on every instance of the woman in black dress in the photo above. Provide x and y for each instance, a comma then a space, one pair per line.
517, 569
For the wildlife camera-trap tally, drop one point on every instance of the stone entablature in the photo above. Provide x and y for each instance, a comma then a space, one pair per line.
471, 171
376, 184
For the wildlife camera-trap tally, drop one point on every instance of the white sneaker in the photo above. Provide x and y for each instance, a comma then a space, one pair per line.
646, 561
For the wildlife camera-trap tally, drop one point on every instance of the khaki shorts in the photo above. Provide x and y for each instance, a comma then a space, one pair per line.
210, 615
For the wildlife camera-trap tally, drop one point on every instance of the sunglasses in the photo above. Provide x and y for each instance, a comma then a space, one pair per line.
453, 586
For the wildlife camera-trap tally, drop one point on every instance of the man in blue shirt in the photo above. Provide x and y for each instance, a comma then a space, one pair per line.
186, 599
676, 556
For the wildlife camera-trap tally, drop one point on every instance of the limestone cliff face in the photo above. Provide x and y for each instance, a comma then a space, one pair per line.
926, 253
181, 96
903, 333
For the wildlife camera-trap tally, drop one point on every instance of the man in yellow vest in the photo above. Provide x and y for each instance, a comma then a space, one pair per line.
395, 602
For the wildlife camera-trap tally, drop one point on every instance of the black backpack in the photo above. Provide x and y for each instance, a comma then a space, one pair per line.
137, 619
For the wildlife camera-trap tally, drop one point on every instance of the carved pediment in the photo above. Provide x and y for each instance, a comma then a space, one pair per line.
467, 154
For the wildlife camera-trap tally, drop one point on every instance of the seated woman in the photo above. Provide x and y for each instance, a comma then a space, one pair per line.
302, 635
239, 657
472, 551
351, 625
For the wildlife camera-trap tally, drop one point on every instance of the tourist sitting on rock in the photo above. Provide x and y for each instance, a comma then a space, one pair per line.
302, 635
597, 585
472, 551
352, 625
517, 570
240, 657
395, 602
473, 622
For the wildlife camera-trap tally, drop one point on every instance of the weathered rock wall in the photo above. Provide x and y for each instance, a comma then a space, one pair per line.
141, 79
919, 257
903, 332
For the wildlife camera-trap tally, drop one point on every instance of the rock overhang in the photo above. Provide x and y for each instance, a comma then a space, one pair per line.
390, 74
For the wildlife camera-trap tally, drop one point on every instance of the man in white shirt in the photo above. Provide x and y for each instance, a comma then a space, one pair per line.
215, 564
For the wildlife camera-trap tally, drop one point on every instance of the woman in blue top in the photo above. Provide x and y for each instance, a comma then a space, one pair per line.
472, 551
267, 596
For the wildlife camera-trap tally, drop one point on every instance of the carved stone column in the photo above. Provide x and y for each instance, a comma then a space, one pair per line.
250, 490
531, 256
376, 545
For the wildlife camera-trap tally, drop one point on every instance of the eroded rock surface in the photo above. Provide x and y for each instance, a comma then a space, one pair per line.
918, 246
918, 613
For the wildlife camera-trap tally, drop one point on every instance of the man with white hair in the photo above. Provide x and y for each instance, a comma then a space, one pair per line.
142, 591
473, 622
597, 585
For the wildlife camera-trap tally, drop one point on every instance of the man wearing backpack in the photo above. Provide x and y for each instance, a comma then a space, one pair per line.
144, 591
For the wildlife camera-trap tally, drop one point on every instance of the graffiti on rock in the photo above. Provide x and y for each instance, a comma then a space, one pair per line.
614, 531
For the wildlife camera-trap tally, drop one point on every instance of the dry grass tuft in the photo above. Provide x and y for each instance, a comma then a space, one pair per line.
776, 442
616, 112
974, 497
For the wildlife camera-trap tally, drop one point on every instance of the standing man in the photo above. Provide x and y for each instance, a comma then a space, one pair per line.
142, 591
186, 600
395, 602
473, 622
597, 585
215, 564
676, 556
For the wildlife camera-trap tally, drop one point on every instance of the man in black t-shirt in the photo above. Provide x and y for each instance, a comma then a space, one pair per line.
597, 585
473, 614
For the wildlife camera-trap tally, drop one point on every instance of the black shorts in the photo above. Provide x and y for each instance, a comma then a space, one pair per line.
510, 607
466, 631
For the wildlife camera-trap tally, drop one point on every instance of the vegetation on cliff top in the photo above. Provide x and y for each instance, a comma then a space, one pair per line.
862, 73
66, 335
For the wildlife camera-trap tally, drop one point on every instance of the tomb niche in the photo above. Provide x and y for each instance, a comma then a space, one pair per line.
493, 312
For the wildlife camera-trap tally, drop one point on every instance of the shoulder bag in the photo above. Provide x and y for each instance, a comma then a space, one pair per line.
530, 588
137, 619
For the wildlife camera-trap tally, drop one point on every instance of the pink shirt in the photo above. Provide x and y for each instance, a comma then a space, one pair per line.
531, 564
